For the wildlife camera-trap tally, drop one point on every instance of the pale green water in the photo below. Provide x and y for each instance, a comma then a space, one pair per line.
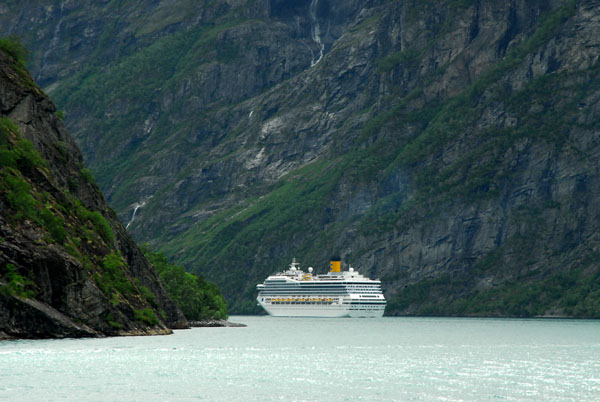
284, 359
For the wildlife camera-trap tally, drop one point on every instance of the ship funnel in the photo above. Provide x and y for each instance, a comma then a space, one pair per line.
335, 266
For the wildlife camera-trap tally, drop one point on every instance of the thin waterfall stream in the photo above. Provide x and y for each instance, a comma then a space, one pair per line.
316, 30
53, 42
135, 208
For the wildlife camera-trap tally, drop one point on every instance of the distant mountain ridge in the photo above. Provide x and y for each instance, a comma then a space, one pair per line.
449, 148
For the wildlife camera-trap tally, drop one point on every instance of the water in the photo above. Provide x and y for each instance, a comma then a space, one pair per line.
285, 359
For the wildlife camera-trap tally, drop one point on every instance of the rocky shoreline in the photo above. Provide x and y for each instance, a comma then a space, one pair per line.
216, 323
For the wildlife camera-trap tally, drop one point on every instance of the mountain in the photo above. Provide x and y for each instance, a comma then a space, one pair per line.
68, 268
449, 147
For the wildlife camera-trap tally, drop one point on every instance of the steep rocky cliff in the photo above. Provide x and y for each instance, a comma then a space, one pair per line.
448, 147
68, 268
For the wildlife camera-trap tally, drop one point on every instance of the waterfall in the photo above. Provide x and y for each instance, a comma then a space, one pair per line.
315, 30
53, 42
136, 206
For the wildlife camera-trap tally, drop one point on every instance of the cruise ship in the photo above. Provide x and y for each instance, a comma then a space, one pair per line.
295, 293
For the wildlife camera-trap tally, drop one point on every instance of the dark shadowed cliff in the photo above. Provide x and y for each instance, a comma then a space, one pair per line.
68, 268
449, 147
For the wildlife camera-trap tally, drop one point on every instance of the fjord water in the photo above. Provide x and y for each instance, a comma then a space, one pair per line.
284, 359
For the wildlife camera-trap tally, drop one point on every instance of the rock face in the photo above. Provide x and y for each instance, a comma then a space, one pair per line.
447, 147
68, 268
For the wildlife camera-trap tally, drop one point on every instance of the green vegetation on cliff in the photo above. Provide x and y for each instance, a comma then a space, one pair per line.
15, 284
197, 298
13, 46
58, 245
19, 160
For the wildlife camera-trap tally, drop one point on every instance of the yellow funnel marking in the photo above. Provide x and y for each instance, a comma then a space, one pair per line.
335, 266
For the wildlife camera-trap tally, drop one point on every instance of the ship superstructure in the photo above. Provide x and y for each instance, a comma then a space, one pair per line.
336, 294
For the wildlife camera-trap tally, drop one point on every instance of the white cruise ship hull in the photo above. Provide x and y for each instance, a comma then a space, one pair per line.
331, 311
295, 293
